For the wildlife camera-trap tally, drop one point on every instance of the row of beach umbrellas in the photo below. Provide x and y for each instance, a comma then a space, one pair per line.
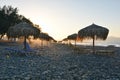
25, 30
93, 32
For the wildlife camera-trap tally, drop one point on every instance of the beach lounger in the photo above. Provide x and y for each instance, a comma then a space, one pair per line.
25, 52
105, 52
21, 52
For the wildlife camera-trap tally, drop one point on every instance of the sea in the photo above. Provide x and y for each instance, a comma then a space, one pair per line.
110, 41
99, 43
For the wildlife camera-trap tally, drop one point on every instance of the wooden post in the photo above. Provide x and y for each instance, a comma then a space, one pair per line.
93, 44
42, 42
25, 42
75, 43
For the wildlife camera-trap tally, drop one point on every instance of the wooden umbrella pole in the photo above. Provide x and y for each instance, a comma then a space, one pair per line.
75, 43
25, 42
93, 44
42, 43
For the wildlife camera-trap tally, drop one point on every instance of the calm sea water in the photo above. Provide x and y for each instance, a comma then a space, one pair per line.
100, 43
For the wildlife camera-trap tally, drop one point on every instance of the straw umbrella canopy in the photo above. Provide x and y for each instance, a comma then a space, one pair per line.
72, 37
23, 29
65, 39
44, 36
93, 32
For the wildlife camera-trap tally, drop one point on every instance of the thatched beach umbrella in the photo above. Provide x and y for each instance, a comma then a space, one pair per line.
23, 29
72, 37
45, 36
64, 40
93, 31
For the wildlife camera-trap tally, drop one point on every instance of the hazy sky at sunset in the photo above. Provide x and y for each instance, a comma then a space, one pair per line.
59, 18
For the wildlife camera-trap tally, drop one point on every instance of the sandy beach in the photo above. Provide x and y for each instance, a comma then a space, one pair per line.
60, 40
57, 62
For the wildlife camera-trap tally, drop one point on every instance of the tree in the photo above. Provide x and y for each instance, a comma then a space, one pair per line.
9, 17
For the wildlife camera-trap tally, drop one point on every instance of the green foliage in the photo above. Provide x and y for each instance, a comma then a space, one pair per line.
9, 17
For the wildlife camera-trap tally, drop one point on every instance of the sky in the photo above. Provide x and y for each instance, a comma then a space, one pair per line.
60, 18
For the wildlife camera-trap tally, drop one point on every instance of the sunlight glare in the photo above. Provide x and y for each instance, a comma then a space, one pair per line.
42, 25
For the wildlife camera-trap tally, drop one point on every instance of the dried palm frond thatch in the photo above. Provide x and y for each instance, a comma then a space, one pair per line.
65, 39
23, 29
93, 32
46, 37
72, 37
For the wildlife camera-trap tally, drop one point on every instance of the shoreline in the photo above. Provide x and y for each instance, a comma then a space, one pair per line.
104, 45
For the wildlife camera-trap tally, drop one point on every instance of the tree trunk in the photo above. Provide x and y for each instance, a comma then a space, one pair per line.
25, 42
